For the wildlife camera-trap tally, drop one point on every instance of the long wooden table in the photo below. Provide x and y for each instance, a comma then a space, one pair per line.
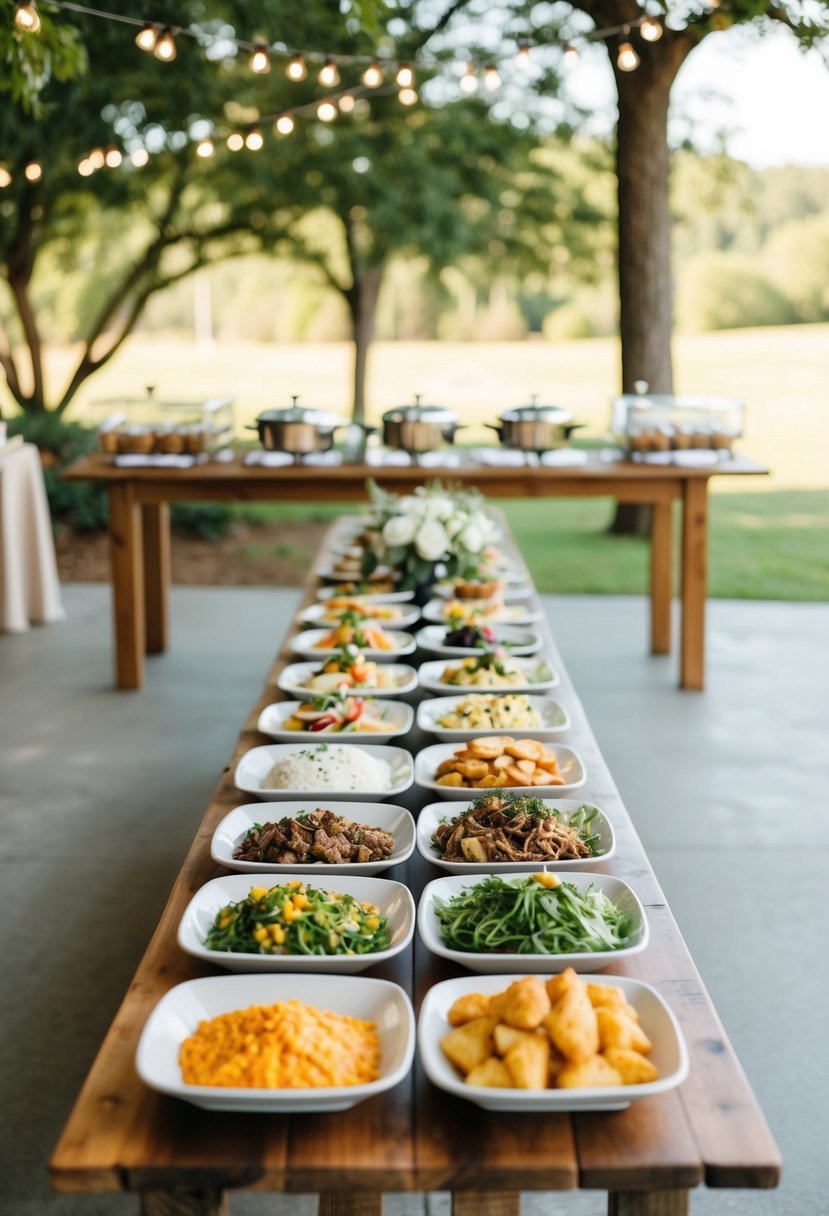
123, 1137
139, 525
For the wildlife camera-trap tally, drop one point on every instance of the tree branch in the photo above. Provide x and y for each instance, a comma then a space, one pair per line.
10, 371
31, 333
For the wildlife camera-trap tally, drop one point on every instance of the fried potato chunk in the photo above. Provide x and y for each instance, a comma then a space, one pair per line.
493, 1074
450, 779
469, 1045
607, 995
558, 985
467, 1008
589, 1074
616, 1029
572, 1025
528, 1062
507, 1037
633, 1068
524, 1005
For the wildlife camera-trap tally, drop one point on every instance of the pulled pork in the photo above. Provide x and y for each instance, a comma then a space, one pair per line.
499, 828
319, 835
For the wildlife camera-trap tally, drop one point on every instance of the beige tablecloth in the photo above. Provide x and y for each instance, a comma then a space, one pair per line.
29, 587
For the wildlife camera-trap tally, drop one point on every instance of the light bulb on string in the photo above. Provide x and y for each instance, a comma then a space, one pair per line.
329, 75
405, 76
346, 103
626, 58
651, 29
235, 142
165, 48
147, 37
27, 19
407, 97
113, 158
33, 171
296, 69
254, 141
260, 60
205, 149
492, 79
97, 158
373, 76
326, 111
469, 80
284, 125
139, 157
571, 54
5, 177
522, 56
86, 168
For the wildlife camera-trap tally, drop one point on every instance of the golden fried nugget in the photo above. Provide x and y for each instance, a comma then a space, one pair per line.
514, 776
558, 985
555, 1064
490, 747
487, 783
524, 1005
473, 770
616, 1029
445, 766
502, 762
633, 1068
526, 766
572, 1025
542, 777
467, 1008
589, 1074
549, 762
493, 1074
453, 779
469, 1045
528, 1062
524, 749
607, 994
507, 1037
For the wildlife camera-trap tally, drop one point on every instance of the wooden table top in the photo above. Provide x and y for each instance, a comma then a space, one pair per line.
492, 480
123, 1136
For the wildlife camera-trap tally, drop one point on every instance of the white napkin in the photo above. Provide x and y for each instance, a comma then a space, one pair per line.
323, 458
224, 456
165, 460
657, 458
499, 457
439, 460
376, 457
695, 458
564, 458
271, 460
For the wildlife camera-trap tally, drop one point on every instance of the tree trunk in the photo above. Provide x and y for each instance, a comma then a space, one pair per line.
644, 253
362, 299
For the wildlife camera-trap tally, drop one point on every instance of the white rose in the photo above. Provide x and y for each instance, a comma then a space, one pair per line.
407, 503
472, 538
438, 506
454, 526
432, 541
399, 530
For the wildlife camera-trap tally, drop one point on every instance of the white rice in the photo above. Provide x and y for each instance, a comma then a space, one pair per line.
328, 767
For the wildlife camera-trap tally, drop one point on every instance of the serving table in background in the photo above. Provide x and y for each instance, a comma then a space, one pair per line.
122, 1136
139, 525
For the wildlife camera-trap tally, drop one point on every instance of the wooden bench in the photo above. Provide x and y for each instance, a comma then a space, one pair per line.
139, 527
183, 1160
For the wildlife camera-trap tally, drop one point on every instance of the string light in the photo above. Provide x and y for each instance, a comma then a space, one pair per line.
284, 125
139, 157
405, 76
492, 79
113, 158
165, 48
204, 148
571, 54
235, 142
27, 18
651, 29
522, 57
407, 97
97, 158
33, 171
329, 75
373, 75
5, 177
296, 69
86, 168
260, 61
326, 111
469, 80
147, 37
626, 58
347, 103
254, 141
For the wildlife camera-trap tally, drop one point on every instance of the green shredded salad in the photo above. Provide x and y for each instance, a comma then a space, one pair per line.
527, 916
297, 919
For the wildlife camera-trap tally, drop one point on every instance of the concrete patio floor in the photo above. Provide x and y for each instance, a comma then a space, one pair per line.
101, 792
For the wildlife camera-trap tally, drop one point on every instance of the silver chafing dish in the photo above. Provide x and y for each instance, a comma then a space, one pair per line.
419, 428
534, 427
296, 430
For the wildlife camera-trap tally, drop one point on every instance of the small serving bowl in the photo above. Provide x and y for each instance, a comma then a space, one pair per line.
397, 715
255, 765
427, 760
517, 641
554, 718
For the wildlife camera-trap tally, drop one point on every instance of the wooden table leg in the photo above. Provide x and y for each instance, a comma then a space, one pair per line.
661, 576
486, 1203
694, 582
155, 519
648, 1203
184, 1203
333, 1203
127, 586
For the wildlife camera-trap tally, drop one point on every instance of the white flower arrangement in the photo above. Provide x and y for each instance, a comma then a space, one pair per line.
431, 534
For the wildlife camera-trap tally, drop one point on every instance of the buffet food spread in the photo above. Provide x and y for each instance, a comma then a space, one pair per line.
521, 890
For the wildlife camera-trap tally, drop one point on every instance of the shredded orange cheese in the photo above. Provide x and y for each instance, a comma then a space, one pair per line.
283, 1046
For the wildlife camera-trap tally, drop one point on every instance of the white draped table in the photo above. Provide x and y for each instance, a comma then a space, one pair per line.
29, 586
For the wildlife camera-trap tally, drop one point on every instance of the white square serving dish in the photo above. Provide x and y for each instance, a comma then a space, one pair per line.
256, 764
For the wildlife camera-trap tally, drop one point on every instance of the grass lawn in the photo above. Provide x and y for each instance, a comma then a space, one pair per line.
762, 546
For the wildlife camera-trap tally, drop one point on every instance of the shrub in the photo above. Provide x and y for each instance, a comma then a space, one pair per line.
796, 258
726, 291
567, 323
